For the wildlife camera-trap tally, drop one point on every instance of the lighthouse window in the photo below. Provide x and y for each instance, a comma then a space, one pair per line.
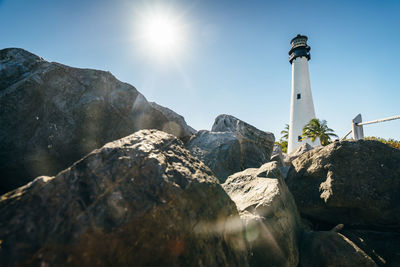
299, 138
298, 96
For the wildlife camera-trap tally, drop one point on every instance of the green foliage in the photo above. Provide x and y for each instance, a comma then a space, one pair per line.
391, 142
283, 144
318, 129
285, 132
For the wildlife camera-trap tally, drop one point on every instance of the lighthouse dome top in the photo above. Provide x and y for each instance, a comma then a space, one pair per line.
299, 40
299, 48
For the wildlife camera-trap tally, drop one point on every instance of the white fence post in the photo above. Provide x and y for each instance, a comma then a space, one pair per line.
358, 131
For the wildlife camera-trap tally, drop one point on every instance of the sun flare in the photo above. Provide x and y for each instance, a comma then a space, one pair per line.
163, 34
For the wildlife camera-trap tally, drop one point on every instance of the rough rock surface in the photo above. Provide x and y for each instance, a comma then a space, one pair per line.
231, 146
297, 153
139, 201
277, 155
52, 115
356, 183
175, 120
266, 206
331, 249
382, 247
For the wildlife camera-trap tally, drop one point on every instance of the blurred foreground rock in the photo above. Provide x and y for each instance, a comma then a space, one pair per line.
142, 200
231, 146
52, 115
270, 215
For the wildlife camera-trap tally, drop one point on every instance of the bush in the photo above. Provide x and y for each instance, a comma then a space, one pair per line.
391, 142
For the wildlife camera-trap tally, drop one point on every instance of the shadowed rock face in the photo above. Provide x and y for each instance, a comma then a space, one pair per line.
231, 146
52, 115
139, 201
351, 182
268, 210
325, 249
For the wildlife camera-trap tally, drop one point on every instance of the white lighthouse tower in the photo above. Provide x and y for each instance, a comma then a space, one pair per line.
301, 104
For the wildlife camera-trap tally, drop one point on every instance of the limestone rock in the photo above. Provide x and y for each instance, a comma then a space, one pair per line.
270, 215
323, 249
221, 152
300, 150
142, 200
52, 115
277, 155
356, 183
382, 247
231, 146
175, 120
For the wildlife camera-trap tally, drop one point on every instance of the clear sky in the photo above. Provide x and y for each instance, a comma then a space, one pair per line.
232, 56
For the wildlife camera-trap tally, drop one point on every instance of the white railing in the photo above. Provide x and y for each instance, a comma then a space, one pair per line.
357, 126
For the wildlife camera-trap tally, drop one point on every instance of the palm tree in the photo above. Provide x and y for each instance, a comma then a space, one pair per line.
285, 132
318, 129
283, 142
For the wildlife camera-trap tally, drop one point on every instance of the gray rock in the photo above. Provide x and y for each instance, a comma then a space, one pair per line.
221, 152
323, 249
142, 200
300, 150
231, 146
175, 120
272, 222
52, 115
356, 183
277, 155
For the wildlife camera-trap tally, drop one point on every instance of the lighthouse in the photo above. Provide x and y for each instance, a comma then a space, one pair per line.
301, 104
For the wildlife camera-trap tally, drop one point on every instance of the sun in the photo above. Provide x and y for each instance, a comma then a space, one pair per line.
162, 34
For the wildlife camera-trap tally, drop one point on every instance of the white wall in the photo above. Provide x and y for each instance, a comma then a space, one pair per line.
301, 110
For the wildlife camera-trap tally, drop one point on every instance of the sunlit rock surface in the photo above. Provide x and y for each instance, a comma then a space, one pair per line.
270, 215
231, 146
142, 200
356, 183
300, 150
52, 115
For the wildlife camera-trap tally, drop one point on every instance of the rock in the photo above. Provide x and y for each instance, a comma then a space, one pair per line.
52, 115
328, 248
231, 146
277, 155
221, 152
142, 200
300, 150
356, 183
175, 120
270, 215
382, 247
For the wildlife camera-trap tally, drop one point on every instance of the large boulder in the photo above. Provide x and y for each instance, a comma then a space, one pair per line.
272, 222
52, 115
351, 182
139, 201
231, 146
175, 121
331, 249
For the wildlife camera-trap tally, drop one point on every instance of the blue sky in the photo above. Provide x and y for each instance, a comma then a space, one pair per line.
235, 57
